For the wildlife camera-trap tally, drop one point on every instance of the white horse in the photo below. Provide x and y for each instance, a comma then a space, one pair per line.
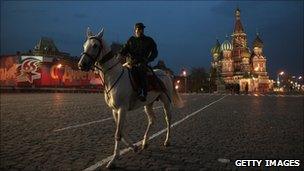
119, 93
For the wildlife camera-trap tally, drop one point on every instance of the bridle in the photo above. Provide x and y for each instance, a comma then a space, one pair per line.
103, 60
99, 49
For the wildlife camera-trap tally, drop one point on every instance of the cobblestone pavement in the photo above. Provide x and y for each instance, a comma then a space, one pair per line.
60, 131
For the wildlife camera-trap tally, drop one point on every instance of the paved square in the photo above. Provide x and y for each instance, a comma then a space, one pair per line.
75, 131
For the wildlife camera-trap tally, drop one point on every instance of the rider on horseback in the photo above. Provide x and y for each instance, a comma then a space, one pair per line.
139, 51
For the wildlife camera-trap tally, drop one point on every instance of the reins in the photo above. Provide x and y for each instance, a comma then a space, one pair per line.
106, 71
103, 60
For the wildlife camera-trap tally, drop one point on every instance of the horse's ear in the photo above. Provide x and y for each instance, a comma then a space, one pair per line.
100, 34
89, 32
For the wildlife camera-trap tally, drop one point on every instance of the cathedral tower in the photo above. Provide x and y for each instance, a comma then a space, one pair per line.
239, 43
215, 69
216, 54
227, 61
240, 67
258, 60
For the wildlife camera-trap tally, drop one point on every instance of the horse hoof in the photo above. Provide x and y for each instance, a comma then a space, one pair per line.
110, 165
167, 144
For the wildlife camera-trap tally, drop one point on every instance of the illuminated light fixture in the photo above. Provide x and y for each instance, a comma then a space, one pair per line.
59, 65
184, 73
281, 73
176, 87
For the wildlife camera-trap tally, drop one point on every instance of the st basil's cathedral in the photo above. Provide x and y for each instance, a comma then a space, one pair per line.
235, 64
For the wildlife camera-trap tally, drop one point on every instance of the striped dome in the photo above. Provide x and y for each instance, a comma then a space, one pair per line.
226, 46
216, 49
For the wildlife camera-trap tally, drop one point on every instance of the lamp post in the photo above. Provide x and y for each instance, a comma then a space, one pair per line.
278, 78
184, 74
59, 66
177, 85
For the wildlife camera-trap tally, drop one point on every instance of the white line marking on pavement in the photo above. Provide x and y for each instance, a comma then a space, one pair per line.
84, 124
93, 122
107, 159
89, 123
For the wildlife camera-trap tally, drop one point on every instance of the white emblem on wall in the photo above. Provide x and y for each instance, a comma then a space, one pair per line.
28, 70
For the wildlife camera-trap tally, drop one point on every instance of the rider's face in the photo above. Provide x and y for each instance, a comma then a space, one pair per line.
138, 32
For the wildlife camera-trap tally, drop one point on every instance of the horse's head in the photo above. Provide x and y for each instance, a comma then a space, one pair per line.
93, 48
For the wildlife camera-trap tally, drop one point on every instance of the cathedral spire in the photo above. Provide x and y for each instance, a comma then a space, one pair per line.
238, 13
238, 28
257, 32
258, 41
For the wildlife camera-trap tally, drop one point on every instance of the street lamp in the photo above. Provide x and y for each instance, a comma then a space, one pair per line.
59, 66
59, 74
184, 74
278, 77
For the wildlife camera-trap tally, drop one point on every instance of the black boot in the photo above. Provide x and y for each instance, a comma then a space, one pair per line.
143, 83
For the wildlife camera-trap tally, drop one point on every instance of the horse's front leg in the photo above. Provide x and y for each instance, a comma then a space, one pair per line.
121, 115
151, 117
167, 112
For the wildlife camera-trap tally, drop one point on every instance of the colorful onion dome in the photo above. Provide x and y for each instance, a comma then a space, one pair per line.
226, 46
216, 49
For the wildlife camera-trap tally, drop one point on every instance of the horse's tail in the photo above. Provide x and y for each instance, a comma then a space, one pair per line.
177, 101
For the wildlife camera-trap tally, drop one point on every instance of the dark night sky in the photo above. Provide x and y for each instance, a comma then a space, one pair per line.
184, 31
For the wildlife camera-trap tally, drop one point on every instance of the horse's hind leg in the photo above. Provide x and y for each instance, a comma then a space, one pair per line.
151, 117
128, 142
167, 113
125, 138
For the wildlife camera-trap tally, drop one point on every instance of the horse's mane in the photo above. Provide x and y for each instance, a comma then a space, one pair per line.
105, 48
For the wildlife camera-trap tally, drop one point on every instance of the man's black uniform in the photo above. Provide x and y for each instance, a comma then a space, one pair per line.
140, 51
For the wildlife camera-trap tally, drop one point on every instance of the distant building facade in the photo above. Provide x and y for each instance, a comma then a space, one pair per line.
45, 66
235, 65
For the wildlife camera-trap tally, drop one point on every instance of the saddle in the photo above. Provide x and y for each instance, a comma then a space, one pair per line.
153, 82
